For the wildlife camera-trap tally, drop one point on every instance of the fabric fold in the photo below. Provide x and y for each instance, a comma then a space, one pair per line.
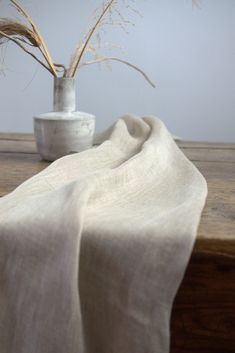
93, 249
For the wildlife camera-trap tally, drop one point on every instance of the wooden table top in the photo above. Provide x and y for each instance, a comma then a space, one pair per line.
216, 161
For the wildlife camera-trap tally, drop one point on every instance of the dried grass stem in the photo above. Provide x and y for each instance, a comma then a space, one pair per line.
123, 62
75, 64
42, 47
24, 49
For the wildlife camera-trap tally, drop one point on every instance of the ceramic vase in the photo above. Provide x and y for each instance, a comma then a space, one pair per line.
64, 130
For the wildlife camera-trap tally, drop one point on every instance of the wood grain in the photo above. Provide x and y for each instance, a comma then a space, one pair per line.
203, 318
15, 168
16, 136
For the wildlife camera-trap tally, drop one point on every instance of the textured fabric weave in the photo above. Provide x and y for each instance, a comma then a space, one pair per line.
93, 249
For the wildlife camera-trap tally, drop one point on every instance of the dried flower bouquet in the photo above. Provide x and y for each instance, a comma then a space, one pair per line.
27, 36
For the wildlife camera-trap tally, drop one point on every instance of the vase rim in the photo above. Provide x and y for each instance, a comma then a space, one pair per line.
64, 78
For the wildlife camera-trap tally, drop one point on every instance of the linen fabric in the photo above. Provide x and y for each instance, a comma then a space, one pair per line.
93, 248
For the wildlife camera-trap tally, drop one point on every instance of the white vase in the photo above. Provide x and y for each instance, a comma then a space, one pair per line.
65, 130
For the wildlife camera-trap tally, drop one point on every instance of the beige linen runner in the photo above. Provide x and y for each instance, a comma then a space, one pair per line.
93, 249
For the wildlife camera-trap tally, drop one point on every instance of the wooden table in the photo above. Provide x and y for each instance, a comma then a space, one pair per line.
203, 319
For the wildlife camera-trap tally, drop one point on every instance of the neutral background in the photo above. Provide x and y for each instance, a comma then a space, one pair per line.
188, 52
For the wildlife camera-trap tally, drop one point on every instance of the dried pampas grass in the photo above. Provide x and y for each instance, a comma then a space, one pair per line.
21, 32
76, 59
24, 36
27, 37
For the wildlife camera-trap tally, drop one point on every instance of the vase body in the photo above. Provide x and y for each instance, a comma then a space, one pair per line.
64, 130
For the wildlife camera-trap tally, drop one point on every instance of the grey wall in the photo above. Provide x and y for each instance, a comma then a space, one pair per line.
189, 53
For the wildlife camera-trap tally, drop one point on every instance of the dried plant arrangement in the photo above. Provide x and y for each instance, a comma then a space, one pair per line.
66, 130
27, 37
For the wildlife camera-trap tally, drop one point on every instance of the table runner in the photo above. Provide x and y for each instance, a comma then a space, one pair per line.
93, 248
